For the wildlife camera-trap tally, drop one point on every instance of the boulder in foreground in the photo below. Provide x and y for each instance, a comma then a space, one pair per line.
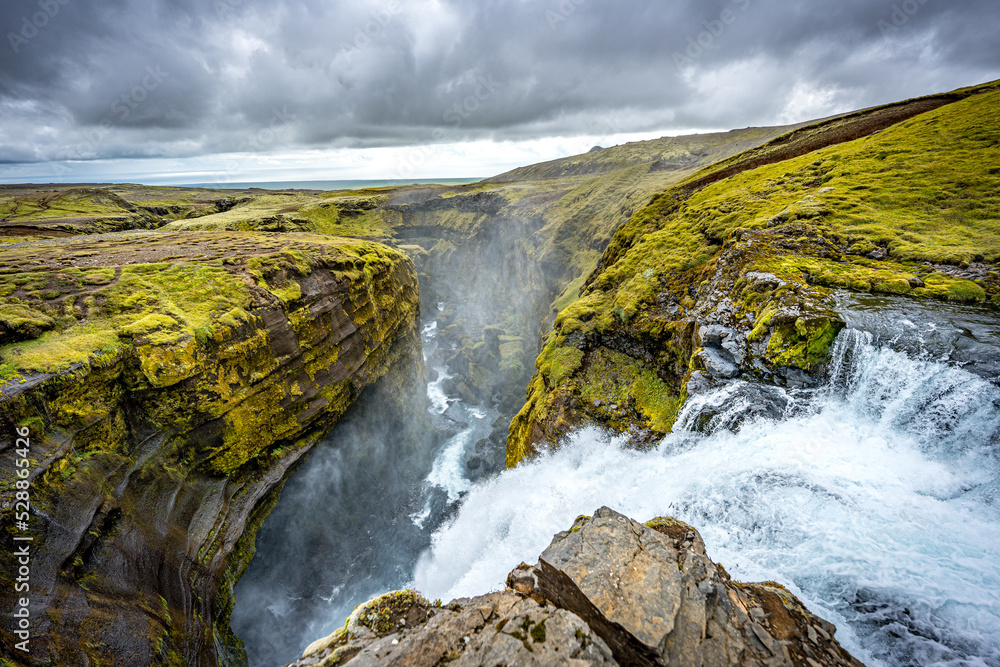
609, 591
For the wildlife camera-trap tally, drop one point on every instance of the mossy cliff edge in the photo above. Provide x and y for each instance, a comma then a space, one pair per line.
733, 272
169, 381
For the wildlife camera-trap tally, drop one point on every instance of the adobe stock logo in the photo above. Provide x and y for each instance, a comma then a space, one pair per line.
30, 27
901, 15
123, 105
713, 31
455, 116
561, 14
376, 25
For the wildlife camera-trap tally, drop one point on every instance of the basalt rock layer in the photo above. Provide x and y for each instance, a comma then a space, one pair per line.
608, 591
168, 383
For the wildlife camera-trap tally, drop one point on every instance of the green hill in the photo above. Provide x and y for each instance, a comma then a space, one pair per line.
910, 206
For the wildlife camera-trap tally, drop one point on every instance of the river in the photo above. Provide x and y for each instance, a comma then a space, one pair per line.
873, 497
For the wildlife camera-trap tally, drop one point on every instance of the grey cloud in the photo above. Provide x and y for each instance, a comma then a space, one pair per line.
335, 73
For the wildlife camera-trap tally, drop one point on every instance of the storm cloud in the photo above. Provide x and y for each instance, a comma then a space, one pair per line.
88, 80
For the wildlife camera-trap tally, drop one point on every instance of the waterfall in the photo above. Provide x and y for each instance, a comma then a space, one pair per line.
352, 521
874, 498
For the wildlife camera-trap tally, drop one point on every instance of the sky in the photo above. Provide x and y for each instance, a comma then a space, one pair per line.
217, 91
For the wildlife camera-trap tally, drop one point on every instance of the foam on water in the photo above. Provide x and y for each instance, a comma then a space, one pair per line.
439, 400
448, 470
875, 500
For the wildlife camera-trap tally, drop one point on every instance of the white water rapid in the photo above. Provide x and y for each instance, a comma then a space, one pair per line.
875, 498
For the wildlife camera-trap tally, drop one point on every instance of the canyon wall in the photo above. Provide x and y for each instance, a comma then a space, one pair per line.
154, 455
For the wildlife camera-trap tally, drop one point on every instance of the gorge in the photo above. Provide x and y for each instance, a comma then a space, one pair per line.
263, 411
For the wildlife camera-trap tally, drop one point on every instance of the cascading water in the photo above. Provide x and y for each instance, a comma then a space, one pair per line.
353, 520
874, 498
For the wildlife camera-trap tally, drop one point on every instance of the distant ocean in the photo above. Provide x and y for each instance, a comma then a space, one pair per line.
329, 185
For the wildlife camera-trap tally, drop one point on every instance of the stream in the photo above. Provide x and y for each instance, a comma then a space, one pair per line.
352, 521
875, 498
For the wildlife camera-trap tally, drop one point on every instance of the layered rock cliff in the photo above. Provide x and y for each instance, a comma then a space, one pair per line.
169, 382
608, 591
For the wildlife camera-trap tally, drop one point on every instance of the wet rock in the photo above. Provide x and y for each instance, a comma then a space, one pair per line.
718, 363
456, 415
714, 334
796, 378
607, 591
742, 402
491, 336
758, 280
699, 383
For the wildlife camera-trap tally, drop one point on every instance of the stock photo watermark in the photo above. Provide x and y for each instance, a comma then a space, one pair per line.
21, 556
714, 29
257, 142
123, 105
900, 16
365, 35
556, 17
30, 27
224, 8
455, 116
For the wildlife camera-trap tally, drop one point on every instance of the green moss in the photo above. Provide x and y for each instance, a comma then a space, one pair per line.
804, 343
922, 187
149, 324
954, 289
569, 295
383, 613
70, 203
56, 351
17, 315
537, 633
98, 277
10, 373
615, 378
171, 319
560, 362
665, 522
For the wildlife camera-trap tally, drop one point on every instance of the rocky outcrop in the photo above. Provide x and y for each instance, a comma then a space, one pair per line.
608, 591
183, 377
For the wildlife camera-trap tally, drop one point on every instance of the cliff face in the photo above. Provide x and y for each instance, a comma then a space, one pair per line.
608, 591
734, 272
169, 382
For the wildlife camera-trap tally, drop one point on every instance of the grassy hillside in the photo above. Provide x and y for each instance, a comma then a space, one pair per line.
910, 209
672, 154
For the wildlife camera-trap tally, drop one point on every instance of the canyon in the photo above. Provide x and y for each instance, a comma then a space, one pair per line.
180, 357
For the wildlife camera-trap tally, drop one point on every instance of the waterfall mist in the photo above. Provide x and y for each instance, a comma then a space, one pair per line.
874, 498
338, 535
353, 519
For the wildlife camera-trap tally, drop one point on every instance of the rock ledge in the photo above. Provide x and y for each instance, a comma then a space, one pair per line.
608, 591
